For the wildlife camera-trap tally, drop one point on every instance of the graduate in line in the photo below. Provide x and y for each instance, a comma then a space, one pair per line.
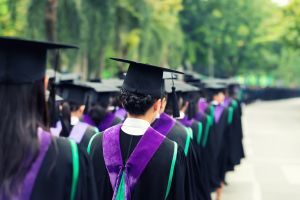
185, 137
219, 135
98, 113
75, 96
132, 160
33, 164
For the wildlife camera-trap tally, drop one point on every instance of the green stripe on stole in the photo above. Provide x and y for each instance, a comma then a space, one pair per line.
121, 189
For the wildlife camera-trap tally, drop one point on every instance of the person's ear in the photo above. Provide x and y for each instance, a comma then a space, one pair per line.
81, 109
157, 105
46, 82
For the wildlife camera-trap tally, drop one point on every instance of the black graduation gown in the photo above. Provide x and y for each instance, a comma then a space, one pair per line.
218, 149
204, 185
152, 183
54, 178
237, 151
88, 134
197, 187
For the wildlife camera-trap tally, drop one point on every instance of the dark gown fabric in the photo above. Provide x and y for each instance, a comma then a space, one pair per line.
202, 184
218, 148
197, 187
152, 183
89, 132
54, 178
237, 149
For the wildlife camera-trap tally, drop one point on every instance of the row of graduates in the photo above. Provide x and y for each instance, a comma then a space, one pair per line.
148, 136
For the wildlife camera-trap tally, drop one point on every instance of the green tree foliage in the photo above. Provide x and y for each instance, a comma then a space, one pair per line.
214, 37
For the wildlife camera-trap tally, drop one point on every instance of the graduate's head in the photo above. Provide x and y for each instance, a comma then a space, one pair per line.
163, 103
142, 89
138, 105
215, 92
76, 94
23, 110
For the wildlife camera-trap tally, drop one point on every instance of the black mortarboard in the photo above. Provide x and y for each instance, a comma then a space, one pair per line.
144, 78
213, 87
180, 86
24, 61
74, 92
114, 82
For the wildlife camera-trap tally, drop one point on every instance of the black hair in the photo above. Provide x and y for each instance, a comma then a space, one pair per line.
23, 109
136, 104
65, 119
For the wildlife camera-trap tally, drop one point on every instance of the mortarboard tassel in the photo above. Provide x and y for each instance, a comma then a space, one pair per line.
175, 108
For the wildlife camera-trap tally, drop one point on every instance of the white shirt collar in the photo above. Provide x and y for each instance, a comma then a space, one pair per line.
215, 103
74, 120
134, 126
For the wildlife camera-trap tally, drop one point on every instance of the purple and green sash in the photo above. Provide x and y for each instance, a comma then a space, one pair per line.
218, 112
78, 131
121, 113
124, 177
186, 122
87, 119
29, 180
164, 124
107, 121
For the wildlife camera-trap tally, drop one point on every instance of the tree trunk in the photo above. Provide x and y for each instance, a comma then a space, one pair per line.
50, 25
211, 62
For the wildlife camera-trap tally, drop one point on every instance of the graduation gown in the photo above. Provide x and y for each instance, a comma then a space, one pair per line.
198, 130
180, 134
153, 181
236, 150
82, 133
218, 144
109, 120
51, 174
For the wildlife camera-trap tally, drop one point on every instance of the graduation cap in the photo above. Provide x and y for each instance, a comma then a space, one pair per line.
101, 90
144, 78
114, 81
76, 92
57, 97
24, 61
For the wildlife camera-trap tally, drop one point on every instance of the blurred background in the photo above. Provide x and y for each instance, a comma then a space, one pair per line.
255, 41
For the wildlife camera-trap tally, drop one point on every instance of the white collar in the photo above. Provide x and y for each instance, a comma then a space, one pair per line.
74, 120
215, 103
134, 126
181, 115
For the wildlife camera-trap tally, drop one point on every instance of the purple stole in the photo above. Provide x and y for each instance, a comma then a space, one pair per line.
164, 124
30, 177
202, 106
227, 102
186, 122
87, 119
121, 113
78, 131
56, 130
107, 121
137, 161
218, 112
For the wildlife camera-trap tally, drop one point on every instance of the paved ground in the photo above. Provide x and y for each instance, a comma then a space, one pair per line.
271, 170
